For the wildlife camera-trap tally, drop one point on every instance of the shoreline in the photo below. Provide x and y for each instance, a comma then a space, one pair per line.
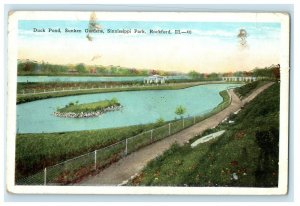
87, 114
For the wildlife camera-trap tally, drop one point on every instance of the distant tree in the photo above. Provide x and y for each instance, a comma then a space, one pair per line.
101, 70
162, 73
133, 71
270, 72
247, 74
227, 74
193, 74
213, 76
113, 70
21, 67
143, 72
238, 74
276, 71
201, 76
80, 68
153, 72
257, 72
28, 67
180, 110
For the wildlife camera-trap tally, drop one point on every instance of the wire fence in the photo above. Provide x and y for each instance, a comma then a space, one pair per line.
32, 91
75, 169
74, 89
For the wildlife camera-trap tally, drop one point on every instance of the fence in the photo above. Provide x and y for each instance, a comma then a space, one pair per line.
74, 89
74, 169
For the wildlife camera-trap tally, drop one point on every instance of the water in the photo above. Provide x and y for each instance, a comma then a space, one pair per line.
86, 78
139, 107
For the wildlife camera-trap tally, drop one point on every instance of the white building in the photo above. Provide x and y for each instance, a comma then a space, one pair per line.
240, 79
155, 79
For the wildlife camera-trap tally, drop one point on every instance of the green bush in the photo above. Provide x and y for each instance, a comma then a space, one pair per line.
160, 121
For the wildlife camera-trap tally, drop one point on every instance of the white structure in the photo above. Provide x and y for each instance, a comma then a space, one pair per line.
155, 79
207, 138
239, 79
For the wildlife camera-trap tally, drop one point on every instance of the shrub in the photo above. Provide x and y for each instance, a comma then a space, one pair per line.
180, 110
159, 122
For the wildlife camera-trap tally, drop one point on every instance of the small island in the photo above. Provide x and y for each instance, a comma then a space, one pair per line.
94, 109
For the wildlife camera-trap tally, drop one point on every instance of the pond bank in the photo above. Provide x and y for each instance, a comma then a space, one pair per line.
87, 114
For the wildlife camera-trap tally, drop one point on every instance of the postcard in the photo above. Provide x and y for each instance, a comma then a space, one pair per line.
180, 103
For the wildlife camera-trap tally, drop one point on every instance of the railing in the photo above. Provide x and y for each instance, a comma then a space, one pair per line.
72, 170
74, 89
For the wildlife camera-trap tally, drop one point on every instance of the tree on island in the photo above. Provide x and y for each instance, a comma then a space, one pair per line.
180, 110
114, 101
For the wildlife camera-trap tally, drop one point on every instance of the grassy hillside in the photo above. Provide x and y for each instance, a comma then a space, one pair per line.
246, 89
245, 155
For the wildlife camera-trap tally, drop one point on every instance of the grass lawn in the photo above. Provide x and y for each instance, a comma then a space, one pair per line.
89, 107
245, 155
36, 151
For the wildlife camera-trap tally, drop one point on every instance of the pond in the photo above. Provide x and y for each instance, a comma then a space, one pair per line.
22, 79
139, 107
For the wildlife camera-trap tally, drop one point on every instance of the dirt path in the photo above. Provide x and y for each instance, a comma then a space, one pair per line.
134, 162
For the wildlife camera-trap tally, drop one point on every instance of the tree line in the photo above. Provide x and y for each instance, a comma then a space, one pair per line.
272, 72
29, 67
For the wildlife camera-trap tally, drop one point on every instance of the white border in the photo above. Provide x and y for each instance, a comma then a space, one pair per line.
149, 16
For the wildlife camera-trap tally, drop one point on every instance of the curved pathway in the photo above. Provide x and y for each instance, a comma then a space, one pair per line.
130, 165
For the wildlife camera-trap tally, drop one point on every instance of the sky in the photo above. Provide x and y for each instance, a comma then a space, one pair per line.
211, 46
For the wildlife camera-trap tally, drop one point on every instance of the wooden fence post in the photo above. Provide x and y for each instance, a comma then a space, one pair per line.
126, 148
45, 176
95, 161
